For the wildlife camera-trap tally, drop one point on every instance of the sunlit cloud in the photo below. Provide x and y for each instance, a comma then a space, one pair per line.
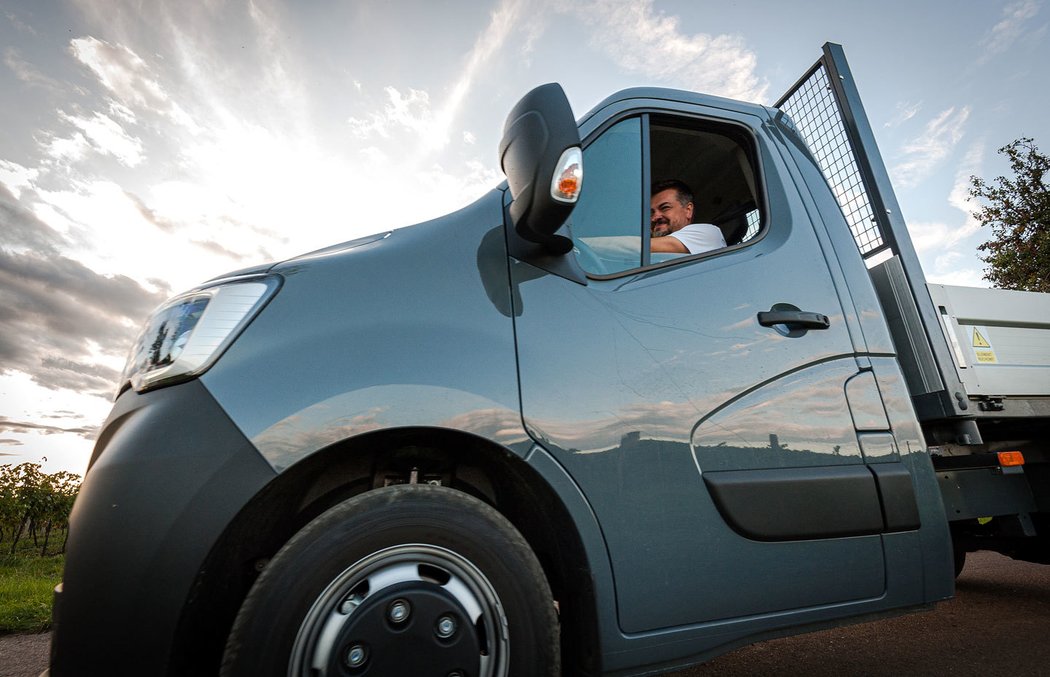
646, 41
128, 77
938, 236
76, 317
239, 183
67, 150
503, 21
413, 110
925, 152
7, 425
409, 111
955, 269
40, 425
938, 242
16, 177
960, 197
106, 136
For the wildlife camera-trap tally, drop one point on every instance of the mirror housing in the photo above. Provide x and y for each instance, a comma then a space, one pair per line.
540, 154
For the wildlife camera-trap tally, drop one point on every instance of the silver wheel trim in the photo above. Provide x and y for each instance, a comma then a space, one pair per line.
398, 564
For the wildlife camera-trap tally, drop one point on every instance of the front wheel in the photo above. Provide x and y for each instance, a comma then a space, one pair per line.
958, 559
405, 580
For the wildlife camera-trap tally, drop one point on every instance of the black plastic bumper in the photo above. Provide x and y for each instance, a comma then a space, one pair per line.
170, 471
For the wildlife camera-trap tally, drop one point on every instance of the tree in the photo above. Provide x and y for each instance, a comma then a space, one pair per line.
1018, 211
33, 500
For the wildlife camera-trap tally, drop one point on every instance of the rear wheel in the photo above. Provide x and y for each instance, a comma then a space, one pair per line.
406, 580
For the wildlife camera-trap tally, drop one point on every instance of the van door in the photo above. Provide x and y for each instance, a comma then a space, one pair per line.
699, 401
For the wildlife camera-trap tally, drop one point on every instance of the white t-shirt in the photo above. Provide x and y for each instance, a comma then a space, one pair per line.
700, 237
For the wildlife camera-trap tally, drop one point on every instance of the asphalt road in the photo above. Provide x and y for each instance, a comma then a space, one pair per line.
997, 625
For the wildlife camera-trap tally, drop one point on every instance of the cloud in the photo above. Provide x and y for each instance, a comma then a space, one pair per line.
950, 270
960, 195
60, 319
412, 111
506, 18
107, 137
27, 73
21, 26
20, 228
648, 42
923, 153
1002, 36
930, 237
905, 111
634, 35
7, 425
219, 179
938, 242
128, 77
456, 188
409, 111
67, 150
16, 177
149, 214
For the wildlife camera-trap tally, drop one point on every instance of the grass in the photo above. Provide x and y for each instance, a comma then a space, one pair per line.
27, 582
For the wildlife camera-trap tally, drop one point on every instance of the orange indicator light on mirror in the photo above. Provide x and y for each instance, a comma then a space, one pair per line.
569, 184
1010, 458
568, 176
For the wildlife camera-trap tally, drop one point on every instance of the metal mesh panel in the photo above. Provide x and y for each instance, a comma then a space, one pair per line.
754, 223
815, 112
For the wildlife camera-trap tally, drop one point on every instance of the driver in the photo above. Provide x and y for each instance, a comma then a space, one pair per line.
670, 221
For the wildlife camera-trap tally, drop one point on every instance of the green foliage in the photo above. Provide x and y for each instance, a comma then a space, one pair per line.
27, 583
34, 516
1018, 212
35, 503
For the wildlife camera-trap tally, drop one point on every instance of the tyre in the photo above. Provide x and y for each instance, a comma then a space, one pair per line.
405, 580
959, 557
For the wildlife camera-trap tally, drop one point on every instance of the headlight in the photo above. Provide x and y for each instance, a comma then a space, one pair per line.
188, 333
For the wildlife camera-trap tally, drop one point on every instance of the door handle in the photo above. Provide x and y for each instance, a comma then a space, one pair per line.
794, 319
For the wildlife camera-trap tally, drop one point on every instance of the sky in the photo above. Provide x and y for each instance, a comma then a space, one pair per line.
148, 146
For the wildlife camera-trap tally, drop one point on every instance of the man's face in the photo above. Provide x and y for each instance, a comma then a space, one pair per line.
666, 213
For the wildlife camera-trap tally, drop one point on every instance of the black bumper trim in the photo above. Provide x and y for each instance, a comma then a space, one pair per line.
169, 472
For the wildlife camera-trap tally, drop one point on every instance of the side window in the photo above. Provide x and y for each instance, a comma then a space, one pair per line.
706, 199
605, 221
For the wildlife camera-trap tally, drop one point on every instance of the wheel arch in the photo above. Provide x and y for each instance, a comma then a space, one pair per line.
466, 462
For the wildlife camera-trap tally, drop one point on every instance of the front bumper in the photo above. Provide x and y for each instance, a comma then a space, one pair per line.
169, 473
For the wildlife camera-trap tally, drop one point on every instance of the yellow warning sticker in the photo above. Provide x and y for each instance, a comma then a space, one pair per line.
982, 348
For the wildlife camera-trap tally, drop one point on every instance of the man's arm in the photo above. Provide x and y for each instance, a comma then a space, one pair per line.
668, 244
693, 239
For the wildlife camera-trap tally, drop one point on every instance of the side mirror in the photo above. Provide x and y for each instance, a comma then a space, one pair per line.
540, 154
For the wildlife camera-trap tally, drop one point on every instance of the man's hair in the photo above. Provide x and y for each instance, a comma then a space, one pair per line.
685, 194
